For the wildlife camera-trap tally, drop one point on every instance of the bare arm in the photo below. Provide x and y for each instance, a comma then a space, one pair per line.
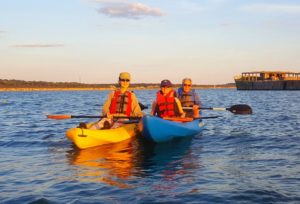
153, 107
136, 109
181, 112
197, 100
105, 109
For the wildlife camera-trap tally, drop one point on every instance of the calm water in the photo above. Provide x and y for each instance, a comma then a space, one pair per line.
236, 159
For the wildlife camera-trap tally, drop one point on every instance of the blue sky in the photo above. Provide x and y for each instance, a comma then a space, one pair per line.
91, 41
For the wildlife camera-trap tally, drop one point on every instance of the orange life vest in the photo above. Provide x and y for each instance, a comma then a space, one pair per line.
166, 104
121, 103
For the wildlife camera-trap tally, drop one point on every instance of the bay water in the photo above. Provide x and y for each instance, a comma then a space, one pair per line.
236, 159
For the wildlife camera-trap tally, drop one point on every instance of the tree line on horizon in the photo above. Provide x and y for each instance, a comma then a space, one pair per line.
13, 83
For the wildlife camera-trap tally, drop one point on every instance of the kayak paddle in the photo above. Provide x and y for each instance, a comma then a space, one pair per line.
64, 117
143, 106
241, 109
178, 119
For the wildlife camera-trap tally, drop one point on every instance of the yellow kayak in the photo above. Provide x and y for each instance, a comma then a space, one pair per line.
85, 138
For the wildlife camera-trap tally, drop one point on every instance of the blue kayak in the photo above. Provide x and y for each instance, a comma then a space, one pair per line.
159, 130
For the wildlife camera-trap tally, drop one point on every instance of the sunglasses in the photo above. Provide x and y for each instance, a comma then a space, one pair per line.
127, 80
187, 85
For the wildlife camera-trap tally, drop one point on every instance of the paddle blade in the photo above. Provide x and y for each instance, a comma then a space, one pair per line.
59, 117
242, 109
143, 106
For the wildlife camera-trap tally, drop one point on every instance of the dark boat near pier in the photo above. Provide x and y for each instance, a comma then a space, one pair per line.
268, 80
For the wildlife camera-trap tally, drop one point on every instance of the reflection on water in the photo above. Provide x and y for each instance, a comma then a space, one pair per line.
110, 164
117, 164
172, 162
164, 155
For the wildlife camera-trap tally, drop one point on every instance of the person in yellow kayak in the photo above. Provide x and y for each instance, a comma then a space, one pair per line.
189, 99
120, 102
166, 104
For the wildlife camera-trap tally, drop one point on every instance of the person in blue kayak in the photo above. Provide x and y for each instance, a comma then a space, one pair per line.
120, 102
166, 104
189, 99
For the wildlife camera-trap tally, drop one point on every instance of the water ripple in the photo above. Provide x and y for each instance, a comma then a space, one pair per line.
236, 159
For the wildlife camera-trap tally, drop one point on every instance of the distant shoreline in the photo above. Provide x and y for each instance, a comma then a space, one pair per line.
99, 89
21, 85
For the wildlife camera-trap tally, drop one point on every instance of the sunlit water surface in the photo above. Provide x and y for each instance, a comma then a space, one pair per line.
236, 159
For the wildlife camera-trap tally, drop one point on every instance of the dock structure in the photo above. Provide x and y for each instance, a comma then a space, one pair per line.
268, 80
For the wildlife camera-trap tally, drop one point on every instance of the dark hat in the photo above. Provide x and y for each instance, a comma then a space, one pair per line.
166, 83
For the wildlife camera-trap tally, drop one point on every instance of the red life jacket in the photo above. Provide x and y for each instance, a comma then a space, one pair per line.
166, 104
121, 103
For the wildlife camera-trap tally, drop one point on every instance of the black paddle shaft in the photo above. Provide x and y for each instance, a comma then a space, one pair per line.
242, 109
96, 116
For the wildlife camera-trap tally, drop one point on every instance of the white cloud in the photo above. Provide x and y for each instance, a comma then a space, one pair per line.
123, 9
273, 8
